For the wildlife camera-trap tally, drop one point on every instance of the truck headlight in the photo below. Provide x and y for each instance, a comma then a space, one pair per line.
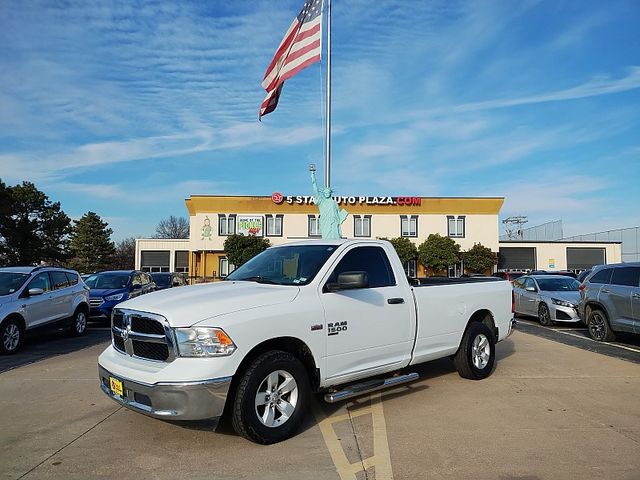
203, 342
114, 298
562, 303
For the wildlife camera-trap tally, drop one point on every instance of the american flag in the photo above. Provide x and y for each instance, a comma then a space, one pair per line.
299, 48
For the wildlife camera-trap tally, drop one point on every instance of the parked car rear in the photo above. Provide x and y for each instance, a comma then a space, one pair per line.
115, 286
582, 275
510, 276
610, 300
33, 297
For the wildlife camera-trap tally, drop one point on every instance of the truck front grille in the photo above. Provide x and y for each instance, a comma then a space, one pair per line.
142, 335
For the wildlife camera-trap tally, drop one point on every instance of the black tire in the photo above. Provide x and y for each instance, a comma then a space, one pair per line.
599, 328
78, 325
470, 360
11, 336
248, 420
544, 315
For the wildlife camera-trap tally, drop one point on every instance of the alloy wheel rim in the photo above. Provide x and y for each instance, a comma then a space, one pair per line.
544, 314
480, 351
276, 398
596, 327
81, 322
11, 337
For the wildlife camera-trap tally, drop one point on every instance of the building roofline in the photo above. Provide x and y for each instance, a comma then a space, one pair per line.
556, 241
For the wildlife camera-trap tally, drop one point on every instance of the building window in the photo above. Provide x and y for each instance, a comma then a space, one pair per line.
274, 225
314, 226
224, 267
226, 225
455, 226
362, 225
409, 225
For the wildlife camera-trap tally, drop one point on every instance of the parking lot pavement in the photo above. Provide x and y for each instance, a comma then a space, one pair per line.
626, 346
49, 342
549, 411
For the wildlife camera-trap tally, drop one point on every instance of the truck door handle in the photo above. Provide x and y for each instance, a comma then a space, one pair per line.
605, 291
636, 295
395, 301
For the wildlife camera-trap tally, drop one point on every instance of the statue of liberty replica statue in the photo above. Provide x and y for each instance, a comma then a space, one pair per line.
331, 216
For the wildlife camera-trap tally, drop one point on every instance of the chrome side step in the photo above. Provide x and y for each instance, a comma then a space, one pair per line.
368, 387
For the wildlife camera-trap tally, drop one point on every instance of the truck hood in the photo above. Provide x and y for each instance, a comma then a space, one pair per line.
186, 306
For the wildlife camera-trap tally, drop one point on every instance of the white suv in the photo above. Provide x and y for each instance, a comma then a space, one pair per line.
32, 297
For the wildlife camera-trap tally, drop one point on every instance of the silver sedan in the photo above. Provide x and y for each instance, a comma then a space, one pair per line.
551, 298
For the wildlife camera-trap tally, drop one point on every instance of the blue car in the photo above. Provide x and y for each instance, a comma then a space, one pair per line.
110, 288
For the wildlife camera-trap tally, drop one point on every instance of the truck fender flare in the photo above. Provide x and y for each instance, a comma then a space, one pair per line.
482, 316
293, 345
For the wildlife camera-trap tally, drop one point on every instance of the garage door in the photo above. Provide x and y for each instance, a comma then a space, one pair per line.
584, 258
517, 258
155, 261
182, 261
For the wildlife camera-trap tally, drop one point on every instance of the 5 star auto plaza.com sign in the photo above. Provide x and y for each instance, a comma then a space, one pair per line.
278, 198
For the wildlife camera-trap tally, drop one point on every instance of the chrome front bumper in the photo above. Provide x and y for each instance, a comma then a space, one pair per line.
170, 400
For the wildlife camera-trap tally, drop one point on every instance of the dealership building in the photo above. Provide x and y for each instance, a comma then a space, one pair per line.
285, 218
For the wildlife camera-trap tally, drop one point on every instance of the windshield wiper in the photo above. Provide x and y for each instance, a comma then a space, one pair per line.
258, 279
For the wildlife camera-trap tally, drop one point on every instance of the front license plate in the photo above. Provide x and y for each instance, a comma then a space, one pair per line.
116, 386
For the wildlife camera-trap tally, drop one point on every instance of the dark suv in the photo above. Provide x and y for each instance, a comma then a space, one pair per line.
610, 300
115, 286
168, 280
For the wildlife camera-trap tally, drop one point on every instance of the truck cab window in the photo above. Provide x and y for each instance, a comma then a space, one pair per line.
372, 260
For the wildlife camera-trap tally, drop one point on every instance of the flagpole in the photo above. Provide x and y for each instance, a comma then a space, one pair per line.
327, 161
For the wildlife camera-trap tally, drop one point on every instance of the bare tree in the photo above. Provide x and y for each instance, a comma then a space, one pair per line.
125, 256
172, 227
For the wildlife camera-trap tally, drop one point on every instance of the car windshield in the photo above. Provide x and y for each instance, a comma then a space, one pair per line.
10, 282
108, 280
161, 279
560, 284
291, 265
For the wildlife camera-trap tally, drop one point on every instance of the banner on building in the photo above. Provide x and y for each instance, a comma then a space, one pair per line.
250, 225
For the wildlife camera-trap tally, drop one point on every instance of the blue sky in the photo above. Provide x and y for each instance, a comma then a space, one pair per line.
126, 108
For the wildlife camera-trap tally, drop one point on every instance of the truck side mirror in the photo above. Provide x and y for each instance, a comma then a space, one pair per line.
349, 281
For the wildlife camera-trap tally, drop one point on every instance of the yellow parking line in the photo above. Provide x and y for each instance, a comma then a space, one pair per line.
381, 458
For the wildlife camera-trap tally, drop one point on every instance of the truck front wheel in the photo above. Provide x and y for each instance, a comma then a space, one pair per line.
477, 352
271, 398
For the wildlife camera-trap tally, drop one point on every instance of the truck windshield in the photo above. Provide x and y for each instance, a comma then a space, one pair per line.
10, 282
289, 265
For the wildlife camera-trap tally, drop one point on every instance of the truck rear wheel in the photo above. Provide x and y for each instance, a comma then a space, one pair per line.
271, 399
477, 353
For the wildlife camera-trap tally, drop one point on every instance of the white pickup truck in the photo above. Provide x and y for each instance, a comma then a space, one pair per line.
337, 317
